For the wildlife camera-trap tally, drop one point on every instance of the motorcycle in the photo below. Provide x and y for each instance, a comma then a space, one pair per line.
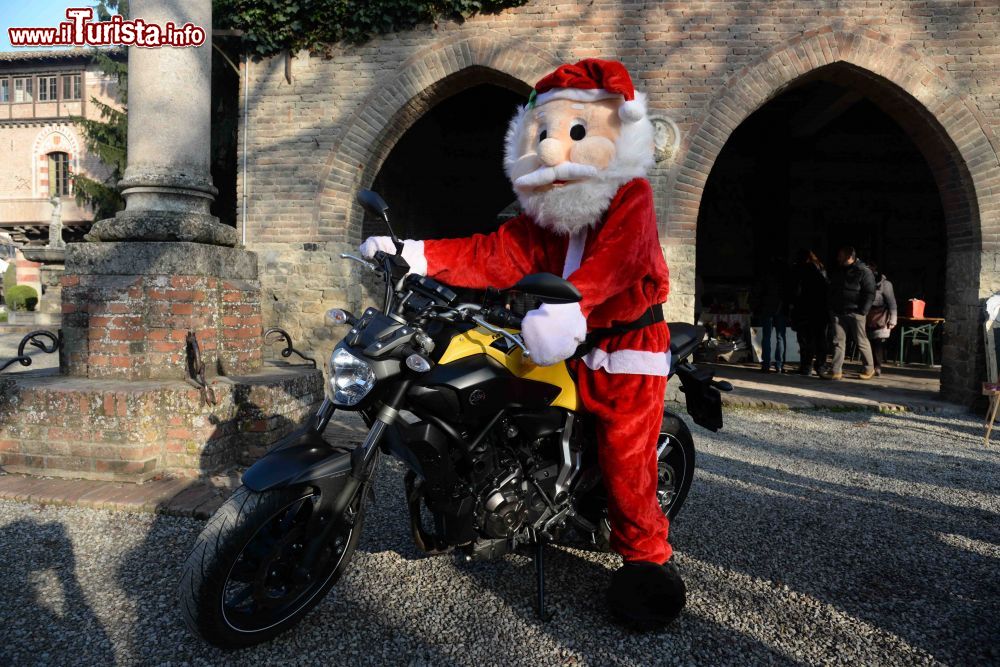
499, 455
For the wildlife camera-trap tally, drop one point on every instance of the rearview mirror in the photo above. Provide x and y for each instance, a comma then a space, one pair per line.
373, 203
549, 288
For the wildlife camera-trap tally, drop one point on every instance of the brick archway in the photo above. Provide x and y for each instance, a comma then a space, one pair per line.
386, 114
943, 123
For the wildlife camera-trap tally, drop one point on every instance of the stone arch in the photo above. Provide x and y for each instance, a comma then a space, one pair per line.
426, 79
943, 122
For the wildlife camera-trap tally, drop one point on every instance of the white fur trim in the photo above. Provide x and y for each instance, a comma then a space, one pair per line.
633, 362
373, 244
632, 110
635, 150
577, 95
413, 253
574, 252
553, 331
512, 140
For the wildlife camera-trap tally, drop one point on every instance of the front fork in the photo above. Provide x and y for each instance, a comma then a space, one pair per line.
334, 502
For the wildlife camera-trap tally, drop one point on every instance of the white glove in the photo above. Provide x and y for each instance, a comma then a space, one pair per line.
413, 251
553, 331
375, 243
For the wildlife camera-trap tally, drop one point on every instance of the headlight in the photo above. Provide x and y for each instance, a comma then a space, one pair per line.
352, 378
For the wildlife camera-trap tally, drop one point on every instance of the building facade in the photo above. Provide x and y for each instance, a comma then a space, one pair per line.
316, 129
40, 93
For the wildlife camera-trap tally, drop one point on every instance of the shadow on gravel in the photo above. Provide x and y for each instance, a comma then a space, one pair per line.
943, 467
875, 554
44, 616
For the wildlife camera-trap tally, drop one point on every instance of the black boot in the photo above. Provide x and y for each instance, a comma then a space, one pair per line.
646, 596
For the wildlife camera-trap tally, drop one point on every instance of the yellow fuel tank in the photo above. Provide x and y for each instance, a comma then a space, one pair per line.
481, 341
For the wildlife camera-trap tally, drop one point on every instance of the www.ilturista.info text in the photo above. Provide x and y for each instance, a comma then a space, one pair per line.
79, 30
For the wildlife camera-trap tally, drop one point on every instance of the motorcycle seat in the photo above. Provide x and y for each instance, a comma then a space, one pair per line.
684, 338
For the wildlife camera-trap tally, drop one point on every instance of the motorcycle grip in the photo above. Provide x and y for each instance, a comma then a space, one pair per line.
503, 317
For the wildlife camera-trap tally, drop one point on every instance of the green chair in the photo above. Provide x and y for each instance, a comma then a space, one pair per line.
922, 336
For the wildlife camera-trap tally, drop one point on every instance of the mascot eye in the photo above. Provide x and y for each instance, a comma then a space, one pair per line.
577, 132
541, 137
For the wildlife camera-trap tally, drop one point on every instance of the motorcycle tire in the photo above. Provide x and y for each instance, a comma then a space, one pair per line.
676, 471
240, 585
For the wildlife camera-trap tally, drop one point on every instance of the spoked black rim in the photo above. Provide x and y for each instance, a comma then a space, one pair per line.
671, 470
267, 582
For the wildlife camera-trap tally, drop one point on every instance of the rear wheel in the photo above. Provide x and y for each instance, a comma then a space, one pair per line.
246, 580
675, 471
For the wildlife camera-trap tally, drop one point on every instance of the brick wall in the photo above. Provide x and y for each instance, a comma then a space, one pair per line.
934, 67
74, 427
128, 307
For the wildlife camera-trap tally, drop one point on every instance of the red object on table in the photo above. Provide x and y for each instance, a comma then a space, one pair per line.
915, 309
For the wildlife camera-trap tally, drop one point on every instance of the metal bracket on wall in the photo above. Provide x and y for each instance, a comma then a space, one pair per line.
281, 334
35, 339
196, 369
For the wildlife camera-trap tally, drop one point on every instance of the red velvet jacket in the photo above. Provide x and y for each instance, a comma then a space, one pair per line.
621, 273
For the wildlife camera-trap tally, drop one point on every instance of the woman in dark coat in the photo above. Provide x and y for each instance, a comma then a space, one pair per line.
882, 316
810, 313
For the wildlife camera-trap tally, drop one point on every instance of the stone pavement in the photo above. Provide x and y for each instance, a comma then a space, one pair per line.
899, 389
179, 497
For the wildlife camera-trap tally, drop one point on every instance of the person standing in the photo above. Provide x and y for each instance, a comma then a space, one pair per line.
809, 311
852, 291
881, 318
771, 299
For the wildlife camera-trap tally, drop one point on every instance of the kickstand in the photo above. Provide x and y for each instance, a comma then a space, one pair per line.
543, 615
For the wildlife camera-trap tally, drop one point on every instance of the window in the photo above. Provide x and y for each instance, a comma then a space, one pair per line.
4, 90
71, 87
22, 90
48, 88
58, 174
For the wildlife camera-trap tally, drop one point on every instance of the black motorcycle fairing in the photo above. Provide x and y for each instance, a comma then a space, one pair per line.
535, 424
300, 457
482, 386
424, 449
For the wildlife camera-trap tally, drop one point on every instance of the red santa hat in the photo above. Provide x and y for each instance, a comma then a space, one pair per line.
591, 80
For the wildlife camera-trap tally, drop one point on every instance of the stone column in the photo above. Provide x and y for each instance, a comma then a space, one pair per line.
168, 183
165, 266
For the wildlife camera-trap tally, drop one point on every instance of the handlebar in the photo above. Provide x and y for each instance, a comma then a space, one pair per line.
503, 317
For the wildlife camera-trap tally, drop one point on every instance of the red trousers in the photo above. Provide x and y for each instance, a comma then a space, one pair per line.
629, 412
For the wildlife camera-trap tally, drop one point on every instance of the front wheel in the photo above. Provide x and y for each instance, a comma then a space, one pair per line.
245, 581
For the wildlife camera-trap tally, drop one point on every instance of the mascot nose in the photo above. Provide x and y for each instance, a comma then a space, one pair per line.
552, 152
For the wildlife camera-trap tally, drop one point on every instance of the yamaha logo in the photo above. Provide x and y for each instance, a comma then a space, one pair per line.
477, 396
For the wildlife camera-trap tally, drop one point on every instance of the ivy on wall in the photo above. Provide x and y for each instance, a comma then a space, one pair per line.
270, 26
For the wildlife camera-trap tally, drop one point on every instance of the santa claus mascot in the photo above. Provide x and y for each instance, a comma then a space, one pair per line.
577, 155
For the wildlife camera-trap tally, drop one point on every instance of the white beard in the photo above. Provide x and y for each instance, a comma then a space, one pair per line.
566, 210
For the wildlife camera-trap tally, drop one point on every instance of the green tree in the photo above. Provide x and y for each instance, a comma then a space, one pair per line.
106, 138
270, 26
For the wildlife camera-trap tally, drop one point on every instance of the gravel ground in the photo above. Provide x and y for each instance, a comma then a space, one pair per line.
808, 538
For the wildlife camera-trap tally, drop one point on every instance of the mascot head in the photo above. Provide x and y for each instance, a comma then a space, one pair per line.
583, 134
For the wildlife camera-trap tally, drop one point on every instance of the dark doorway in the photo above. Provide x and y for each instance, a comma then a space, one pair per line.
819, 167
444, 178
